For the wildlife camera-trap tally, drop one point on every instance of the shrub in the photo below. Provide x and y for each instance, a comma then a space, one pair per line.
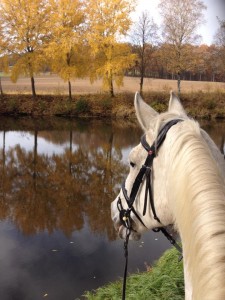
210, 104
12, 105
106, 103
82, 106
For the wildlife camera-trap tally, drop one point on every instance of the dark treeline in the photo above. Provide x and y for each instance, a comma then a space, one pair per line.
205, 64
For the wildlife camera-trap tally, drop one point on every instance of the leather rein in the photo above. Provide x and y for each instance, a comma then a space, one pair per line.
144, 173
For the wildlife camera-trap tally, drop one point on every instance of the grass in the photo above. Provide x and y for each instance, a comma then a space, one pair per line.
162, 282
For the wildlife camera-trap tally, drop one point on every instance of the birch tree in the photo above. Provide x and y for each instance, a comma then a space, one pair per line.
66, 50
108, 21
25, 30
181, 19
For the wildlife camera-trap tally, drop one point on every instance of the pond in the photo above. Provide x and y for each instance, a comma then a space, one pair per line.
58, 178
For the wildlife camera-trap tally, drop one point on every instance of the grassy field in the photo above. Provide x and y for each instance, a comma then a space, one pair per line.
52, 84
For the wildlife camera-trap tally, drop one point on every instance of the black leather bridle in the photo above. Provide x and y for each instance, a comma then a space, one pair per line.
144, 173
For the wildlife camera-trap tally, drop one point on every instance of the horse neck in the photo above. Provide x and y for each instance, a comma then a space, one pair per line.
197, 198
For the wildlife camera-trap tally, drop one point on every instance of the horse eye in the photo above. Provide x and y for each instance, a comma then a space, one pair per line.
132, 164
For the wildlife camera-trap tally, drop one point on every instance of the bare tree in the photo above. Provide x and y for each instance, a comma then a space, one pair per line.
144, 36
181, 19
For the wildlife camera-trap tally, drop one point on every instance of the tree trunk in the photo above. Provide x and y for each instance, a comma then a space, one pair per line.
70, 90
1, 91
33, 86
111, 88
3, 167
142, 70
35, 159
71, 151
108, 171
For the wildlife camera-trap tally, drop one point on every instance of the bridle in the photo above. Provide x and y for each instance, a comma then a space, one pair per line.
144, 173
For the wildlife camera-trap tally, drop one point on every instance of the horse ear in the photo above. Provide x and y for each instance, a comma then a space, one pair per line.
175, 106
144, 112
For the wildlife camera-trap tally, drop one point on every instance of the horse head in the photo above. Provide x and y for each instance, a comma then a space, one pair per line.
146, 213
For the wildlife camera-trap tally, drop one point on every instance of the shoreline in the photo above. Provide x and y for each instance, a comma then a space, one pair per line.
198, 104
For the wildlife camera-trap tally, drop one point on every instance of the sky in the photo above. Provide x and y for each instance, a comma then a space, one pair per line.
215, 8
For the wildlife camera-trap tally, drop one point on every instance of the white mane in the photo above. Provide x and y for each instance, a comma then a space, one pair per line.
197, 198
191, 170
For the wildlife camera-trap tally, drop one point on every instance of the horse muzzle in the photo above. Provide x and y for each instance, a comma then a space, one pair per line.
119, 227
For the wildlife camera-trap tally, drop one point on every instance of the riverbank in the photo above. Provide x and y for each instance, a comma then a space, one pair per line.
163, 281
208, 105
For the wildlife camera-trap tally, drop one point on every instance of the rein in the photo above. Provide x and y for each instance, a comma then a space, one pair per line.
144, 173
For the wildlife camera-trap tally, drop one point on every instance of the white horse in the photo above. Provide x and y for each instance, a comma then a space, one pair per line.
188, 183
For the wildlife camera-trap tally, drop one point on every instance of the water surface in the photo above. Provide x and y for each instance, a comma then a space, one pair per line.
58, 178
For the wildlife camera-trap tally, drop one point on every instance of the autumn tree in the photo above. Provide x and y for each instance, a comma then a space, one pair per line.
168, 58
180, 21
66, 50
26, 30
220, 43
144, 36
201, 60
108, 21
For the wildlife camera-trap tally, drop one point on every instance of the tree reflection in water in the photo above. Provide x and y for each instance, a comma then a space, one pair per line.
50, 192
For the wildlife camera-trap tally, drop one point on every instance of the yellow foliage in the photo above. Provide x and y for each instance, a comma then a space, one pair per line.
111, 63
25, 29
108, 21
4, 64
29, 64
66, 49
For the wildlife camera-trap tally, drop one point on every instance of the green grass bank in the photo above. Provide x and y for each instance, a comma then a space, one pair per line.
164, 281
198, 104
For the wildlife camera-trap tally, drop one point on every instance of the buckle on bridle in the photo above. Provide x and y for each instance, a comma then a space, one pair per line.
125, 218
124, 214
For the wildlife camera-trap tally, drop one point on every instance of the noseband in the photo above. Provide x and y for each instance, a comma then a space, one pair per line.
144, 173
